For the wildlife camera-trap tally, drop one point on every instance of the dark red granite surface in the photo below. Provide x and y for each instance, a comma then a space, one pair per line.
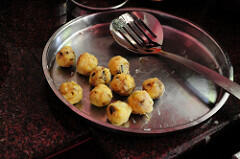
35, 124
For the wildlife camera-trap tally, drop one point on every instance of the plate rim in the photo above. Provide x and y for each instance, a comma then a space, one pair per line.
195, 122
99, 8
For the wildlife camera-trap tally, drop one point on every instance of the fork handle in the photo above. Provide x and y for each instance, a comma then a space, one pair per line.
230, 86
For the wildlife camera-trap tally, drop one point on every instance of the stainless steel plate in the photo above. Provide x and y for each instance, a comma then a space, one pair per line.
189, 98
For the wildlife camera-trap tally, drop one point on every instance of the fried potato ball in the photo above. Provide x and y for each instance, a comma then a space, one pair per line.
66, 57
118, 64
100, 75
100, 95
123, 84
86, 63
154, 87
71, 91
141, 102
118, 112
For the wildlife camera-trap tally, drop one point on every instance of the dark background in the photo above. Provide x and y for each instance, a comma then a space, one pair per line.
35, 124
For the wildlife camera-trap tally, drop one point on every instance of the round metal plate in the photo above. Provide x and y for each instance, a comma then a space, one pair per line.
189, 98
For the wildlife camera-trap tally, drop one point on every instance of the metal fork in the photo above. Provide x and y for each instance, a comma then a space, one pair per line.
140, 36
134, 30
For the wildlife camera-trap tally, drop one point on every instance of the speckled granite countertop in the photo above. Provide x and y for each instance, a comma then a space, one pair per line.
34, 123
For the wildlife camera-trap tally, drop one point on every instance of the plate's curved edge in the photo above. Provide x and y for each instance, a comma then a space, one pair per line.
100, 8
123, 129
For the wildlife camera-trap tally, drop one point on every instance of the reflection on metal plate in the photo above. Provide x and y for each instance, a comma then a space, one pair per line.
189, 98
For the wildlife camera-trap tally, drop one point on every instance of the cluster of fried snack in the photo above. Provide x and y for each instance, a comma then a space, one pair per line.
123, 84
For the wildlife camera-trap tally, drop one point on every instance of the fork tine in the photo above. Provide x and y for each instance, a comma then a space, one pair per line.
133, 36
127, 39
141, 34
138, 22
136, 31
146, 27
136, 39
142, 27
141, 31
127, 32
